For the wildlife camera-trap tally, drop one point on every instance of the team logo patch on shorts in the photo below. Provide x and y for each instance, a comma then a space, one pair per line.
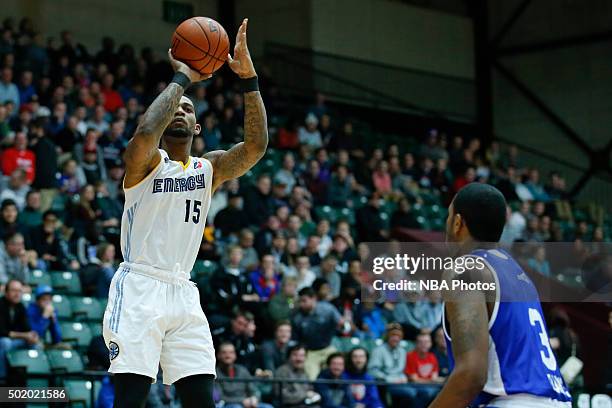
113, 350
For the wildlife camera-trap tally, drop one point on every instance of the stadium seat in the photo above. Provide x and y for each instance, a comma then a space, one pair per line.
386, 220
86, 308
34, 361
63, 309
204, 267
66, 282
80, 392
345, 344
26, 298
346, 214
38, 277
325, 212
65, 361
77, 333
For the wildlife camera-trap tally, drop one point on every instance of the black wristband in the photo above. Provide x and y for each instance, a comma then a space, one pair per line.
181, 79
248, 84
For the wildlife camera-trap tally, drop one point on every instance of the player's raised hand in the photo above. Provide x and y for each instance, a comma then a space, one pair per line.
179, 66
241, 62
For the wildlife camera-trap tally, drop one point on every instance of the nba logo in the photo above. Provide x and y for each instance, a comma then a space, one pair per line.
197, 164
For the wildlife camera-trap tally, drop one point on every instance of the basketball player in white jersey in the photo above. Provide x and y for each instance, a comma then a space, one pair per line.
153, 315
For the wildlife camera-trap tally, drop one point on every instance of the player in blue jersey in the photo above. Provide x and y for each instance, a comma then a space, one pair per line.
497, 340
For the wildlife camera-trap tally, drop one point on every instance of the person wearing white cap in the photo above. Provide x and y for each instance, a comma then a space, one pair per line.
310, 135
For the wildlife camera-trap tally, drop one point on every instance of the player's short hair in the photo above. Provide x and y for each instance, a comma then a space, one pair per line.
483, 208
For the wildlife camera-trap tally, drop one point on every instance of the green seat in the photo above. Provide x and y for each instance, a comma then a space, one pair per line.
407, 345
27, 298
62, 306
386, 220
346, 214
204, 267
65, 361
86, 308
38, 277
34, 361
423, 223
77, 333
66, 282
80, 392
345, 344
325, 212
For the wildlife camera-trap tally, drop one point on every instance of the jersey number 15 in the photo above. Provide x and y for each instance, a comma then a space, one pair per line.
196, 211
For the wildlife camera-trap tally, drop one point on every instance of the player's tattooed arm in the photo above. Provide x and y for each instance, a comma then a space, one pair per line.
141, 155
241, 157
467, 318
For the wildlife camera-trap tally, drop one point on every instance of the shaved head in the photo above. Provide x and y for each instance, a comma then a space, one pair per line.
183, 124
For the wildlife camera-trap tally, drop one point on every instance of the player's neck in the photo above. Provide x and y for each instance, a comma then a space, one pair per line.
177, 151
470, 244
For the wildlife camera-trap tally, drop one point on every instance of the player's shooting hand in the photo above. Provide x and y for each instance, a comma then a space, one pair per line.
179, 66
241, 62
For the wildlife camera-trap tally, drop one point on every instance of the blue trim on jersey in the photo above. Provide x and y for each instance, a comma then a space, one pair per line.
118, 297
128, 245
120, 301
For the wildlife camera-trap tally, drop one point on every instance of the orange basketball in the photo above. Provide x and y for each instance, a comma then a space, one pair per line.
201, 43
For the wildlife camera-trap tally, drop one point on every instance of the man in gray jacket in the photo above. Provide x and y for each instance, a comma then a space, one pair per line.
296, 395
235, 394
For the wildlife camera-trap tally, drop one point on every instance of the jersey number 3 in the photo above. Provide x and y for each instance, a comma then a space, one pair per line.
196, 211
548, 358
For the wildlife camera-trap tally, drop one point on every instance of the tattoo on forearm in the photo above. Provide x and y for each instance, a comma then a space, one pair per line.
160, 113
242, 156
255, 121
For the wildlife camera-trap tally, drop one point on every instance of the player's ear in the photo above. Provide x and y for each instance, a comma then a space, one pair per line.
197, 129
457, 224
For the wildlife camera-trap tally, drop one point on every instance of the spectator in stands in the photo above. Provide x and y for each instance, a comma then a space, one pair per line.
369, 224
8, 218
334, 395
341, 249
231, 219
328, 272
19, 157
16, 188
265, 236
45, 170
538, 262
356, 369
67, 137
563, 339
535, 188
258, 201
322, 290
98, 121
296, 394
15, 261
305, 276
50, 246
274, 351
309, 135
381, 179
210, 133
370, 321
315, 317
266, 280
42, 316
112, 98
282, 305
15, 330
105, 268
230, 126
286, 174
235, 394
403, 216
422, 368
422, 315
113, 143
340, 188
230, 285
441, 352
8, 90
72, 178
31, 216
388, 362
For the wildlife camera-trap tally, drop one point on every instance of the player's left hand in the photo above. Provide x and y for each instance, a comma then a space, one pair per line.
241, 62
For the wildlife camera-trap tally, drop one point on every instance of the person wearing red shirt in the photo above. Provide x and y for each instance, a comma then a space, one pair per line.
112, 98
422, 368
19, 157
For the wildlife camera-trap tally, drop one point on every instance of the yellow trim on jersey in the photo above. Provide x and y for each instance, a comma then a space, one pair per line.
185, 166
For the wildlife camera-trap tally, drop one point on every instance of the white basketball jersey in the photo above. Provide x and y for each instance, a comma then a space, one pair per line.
165, 214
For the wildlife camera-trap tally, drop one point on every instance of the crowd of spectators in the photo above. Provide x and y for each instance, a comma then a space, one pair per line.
286, 283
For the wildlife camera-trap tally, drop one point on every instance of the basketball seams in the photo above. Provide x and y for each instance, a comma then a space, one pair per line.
212, 57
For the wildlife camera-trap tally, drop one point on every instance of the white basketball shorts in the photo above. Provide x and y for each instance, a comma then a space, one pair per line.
153, 318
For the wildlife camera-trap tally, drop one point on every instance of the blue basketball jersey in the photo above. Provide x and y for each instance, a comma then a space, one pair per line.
520, 358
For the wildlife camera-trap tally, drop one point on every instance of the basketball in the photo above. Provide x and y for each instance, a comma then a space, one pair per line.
201, 43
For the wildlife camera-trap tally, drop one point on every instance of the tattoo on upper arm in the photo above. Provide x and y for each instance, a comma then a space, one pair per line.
468, 322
